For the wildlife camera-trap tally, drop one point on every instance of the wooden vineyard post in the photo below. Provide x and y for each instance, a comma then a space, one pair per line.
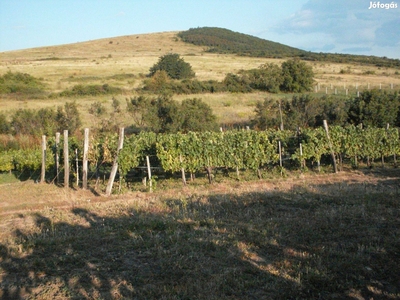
183, 171
149, 173
43, 173
280, 156
57, 157
66, 160
330, 146
114, 168
303, 163
280, 115
77, 167
85, 159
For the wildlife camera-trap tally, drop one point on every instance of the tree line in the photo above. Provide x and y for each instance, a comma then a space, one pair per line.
375, 108
171, 74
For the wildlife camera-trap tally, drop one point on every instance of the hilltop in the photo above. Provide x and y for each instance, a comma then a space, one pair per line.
220, 40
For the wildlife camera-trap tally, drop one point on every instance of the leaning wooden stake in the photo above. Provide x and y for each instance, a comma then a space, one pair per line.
330, 146
42, 175
85, 159
114, 168
149, 172
66, 161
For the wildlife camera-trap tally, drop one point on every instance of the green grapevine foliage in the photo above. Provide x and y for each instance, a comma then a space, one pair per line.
195, 151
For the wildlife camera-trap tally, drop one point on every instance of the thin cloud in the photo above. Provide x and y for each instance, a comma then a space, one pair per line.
345, 22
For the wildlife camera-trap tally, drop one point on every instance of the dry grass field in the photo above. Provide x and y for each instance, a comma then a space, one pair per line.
102, 61
303, 236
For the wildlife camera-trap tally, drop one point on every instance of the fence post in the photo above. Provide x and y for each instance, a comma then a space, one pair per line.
66, 160
57, 157
330, 146
77, 167
85, 159
302, 163
43, 173
182, 170
114, 168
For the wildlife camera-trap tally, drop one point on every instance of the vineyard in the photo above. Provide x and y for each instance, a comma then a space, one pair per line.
208, 151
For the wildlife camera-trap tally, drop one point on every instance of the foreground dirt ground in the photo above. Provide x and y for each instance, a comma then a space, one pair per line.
307, 236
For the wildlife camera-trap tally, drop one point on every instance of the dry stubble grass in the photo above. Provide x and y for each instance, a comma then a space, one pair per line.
327, 236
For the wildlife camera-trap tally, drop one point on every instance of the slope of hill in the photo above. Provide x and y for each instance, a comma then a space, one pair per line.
220, 40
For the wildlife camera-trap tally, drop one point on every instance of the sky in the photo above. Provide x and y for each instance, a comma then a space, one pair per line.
334, 26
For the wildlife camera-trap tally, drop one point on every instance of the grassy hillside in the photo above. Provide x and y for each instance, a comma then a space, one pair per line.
220, 40
124, 61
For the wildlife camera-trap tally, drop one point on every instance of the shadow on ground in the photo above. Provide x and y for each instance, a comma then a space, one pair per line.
331, 241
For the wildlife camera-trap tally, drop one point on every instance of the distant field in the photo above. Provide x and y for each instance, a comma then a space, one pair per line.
124, 61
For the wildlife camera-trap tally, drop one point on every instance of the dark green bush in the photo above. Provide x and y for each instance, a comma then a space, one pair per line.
174, 66
90, 90
22, 84
45, 121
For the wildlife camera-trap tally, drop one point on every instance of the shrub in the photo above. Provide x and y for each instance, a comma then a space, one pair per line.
174, 66
297, 76
90, 90
267, 77
21, 83
196, 116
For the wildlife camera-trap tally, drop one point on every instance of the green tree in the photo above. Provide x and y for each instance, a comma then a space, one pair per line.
266, 114
334, 110
196, 116
297, 76
97, 109
301, 111
236, 84
68, 117
268, 77
158, 83
5, 126
174, 65
155, 114
374, 108
25, 121
138, 107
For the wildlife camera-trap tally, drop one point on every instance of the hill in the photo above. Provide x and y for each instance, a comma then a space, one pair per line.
220, 40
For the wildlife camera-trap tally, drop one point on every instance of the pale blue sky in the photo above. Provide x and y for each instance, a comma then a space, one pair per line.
316, 25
